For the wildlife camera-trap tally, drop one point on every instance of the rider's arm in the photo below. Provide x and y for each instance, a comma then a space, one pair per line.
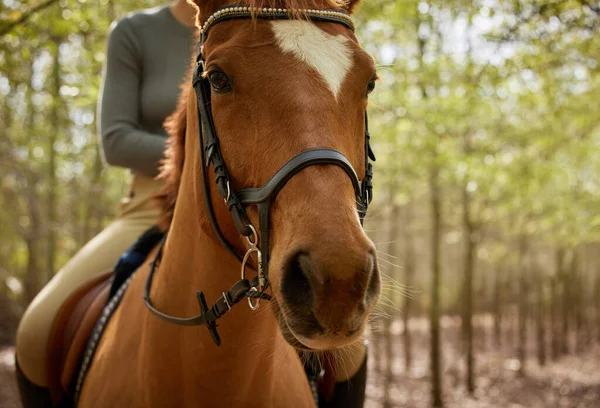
123, 142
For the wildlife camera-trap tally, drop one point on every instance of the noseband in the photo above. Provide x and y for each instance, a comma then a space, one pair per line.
236, 202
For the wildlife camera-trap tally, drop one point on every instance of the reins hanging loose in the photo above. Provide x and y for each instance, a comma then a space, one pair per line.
211, 156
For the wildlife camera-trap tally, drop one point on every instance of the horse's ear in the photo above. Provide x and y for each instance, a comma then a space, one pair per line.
206, 7
350, 5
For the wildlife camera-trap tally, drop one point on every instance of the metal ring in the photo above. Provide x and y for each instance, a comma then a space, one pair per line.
253, 243
247, 256
253, 306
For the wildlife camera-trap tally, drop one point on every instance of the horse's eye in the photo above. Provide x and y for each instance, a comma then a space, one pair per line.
371, 85
219, 81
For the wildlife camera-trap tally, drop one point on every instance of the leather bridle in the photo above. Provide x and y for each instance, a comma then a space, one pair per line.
237, 201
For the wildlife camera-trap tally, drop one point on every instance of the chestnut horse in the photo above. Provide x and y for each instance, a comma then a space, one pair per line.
287, 81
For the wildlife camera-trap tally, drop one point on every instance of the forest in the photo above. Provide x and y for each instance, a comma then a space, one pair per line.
486, 126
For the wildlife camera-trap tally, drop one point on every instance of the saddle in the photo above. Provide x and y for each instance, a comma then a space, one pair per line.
70, 333
79, 314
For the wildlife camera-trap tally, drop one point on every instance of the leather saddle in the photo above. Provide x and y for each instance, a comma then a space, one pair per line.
70, 333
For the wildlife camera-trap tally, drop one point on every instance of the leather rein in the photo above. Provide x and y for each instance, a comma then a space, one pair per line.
210, 154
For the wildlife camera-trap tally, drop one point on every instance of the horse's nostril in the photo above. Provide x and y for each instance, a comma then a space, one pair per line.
373, 286
295, 285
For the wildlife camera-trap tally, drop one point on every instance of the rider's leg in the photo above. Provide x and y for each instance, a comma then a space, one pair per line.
96, 257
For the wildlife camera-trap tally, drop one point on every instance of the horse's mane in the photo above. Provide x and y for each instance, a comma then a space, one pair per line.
176, 123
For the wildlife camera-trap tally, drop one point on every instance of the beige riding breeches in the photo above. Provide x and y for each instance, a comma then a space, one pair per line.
137, 214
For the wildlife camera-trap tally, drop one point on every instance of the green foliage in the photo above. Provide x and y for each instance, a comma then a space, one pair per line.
504, 97
50, 69
501, 96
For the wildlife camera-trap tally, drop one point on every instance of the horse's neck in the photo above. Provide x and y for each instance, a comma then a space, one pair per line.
252, 346
191, 261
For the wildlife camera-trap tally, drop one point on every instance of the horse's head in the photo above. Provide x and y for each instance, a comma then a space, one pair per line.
280, 88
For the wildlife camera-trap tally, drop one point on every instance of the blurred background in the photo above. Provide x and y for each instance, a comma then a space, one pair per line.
486, 126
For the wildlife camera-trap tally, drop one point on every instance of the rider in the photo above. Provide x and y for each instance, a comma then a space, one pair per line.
147, 57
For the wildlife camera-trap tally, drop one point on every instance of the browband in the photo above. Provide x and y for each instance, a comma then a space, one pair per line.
271, 13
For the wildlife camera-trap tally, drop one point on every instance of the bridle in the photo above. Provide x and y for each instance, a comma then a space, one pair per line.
236, 201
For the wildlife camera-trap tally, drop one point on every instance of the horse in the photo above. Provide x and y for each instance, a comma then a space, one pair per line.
276, 107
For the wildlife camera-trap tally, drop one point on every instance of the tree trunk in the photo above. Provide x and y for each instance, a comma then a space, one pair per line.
467, 292
578, 302
554, 318
597, 303
540, 319
436, 238
392, 250
92, 214
375, 348
498, 299
32, 281
409, 274
523, 302
436, 232
563, 275
31, 285
52, 218
388, 375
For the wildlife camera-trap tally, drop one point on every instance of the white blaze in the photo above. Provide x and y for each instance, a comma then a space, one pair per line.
329, 55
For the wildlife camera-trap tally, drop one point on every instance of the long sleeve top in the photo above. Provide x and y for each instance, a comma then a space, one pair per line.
148, 55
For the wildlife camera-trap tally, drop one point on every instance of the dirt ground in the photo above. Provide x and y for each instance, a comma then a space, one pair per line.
571, 382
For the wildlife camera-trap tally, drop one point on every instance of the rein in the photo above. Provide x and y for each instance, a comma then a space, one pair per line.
210, 154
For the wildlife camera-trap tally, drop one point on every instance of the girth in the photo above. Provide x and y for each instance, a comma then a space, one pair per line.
262, 197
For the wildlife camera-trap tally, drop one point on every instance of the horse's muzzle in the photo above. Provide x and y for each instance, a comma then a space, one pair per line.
328, 302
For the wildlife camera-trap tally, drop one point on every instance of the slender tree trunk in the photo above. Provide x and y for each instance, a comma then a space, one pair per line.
597, 303
436, 232
409, 274
388, 374
92, 220
32, 281
562, 273
392, 250
540, 318
52, 217
554, 318
578, 302
512, 310
436, 238
523, 302
467, 324
498, 299
467, 292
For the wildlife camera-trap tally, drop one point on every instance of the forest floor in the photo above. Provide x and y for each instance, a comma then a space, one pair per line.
571, 382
